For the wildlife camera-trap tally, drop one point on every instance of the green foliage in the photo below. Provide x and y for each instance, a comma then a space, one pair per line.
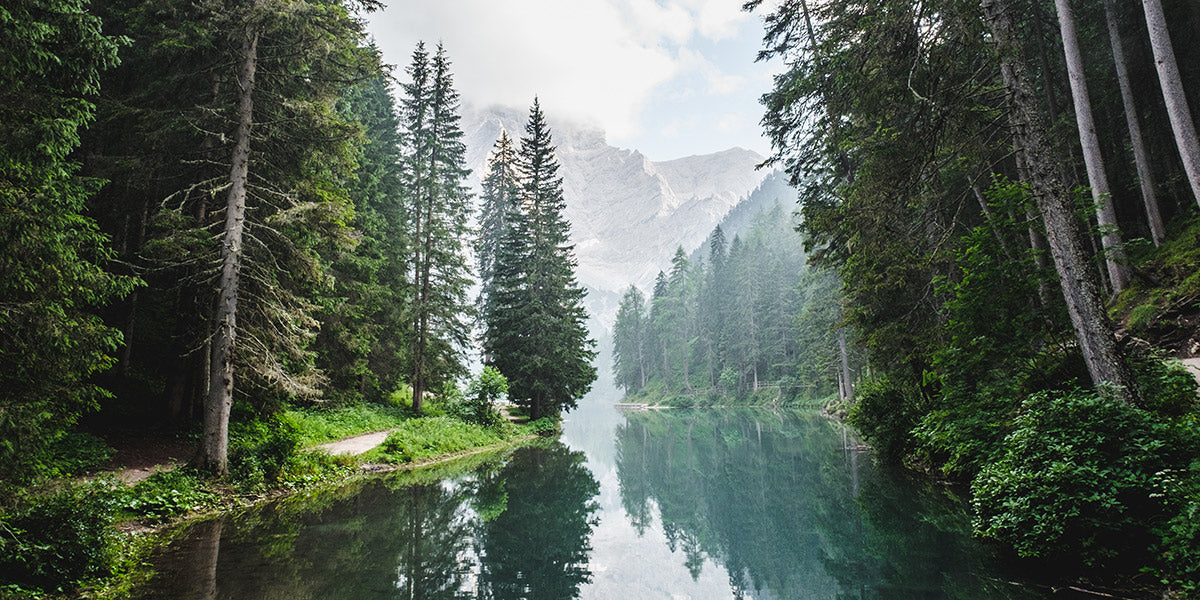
886, 410
1083, 478
438, 201
260, 449
56, 541
534, 322
478, 406
402, 396
165, 495
1180, 545
424, 438
78, 452
1166, 387
52, 257
544, 426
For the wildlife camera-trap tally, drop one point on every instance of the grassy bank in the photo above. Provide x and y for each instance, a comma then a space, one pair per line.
85, 537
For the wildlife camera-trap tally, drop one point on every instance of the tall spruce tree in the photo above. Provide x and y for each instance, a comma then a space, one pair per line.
440, 211
52, 256
500, 193
629, 341
358, 345
536, 332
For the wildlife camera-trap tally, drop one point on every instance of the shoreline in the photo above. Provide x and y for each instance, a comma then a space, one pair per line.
141, 539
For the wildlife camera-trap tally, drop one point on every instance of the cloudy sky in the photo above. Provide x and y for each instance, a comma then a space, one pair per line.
668, 77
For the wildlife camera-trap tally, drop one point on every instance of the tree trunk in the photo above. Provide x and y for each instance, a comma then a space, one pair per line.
1106, 215
1043, 58
1172, 89
1094, 331
214, 444
845, 357
1140, 158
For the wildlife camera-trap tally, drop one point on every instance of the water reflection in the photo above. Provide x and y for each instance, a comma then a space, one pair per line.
663, 504
517, 528
789, 512
537, 546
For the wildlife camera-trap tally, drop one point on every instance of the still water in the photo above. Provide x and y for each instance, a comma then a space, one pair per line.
666, 504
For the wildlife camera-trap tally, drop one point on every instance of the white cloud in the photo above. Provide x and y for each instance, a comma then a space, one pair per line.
717, 19
603, 61
584, 58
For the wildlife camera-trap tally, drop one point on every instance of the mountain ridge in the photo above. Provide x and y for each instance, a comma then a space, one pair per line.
628, 213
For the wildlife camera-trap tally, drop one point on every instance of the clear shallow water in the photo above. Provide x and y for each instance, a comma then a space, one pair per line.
660, 504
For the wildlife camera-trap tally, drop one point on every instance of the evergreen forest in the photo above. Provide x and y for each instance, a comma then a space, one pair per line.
1007, 194
231, 225
224, 221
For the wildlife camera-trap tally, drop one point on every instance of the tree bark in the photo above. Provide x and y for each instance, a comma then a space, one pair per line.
1172, 89
1140, 157
1093, 330
845, 359
1106, 214
214, 444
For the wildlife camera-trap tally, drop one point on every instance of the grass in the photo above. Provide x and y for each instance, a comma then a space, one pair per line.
423, 439
320, 426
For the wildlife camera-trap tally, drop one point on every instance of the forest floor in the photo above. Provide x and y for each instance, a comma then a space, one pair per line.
138, 456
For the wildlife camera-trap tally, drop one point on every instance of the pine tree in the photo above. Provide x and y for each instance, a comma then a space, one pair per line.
440, 211
536, 332
629, 341
358, 346
500, 194
52, 256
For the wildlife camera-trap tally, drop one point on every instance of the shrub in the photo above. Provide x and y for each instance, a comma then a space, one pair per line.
260, 449
78, 452
1081, 479
885, 411
1180, 547
544, 426
56, 541
483, 394
1166, 386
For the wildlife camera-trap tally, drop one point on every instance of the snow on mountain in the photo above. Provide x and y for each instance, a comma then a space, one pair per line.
628, 214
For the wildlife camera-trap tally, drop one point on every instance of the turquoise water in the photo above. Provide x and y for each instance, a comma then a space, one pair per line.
659, 504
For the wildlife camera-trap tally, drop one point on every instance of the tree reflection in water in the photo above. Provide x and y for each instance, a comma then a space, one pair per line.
519, 529
537, 547
790, 512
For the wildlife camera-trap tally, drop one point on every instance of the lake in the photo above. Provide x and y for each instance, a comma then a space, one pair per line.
674, 504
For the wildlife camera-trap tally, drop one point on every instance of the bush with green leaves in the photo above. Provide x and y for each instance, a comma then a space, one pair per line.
53, 542
544, 426
885, 412
78, 452
260, 449
1084, 478
484, 393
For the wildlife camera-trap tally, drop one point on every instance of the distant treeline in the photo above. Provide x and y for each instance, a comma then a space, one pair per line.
748, 316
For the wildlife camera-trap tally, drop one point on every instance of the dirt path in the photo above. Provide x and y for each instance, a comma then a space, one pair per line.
357, 444
1193, 365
